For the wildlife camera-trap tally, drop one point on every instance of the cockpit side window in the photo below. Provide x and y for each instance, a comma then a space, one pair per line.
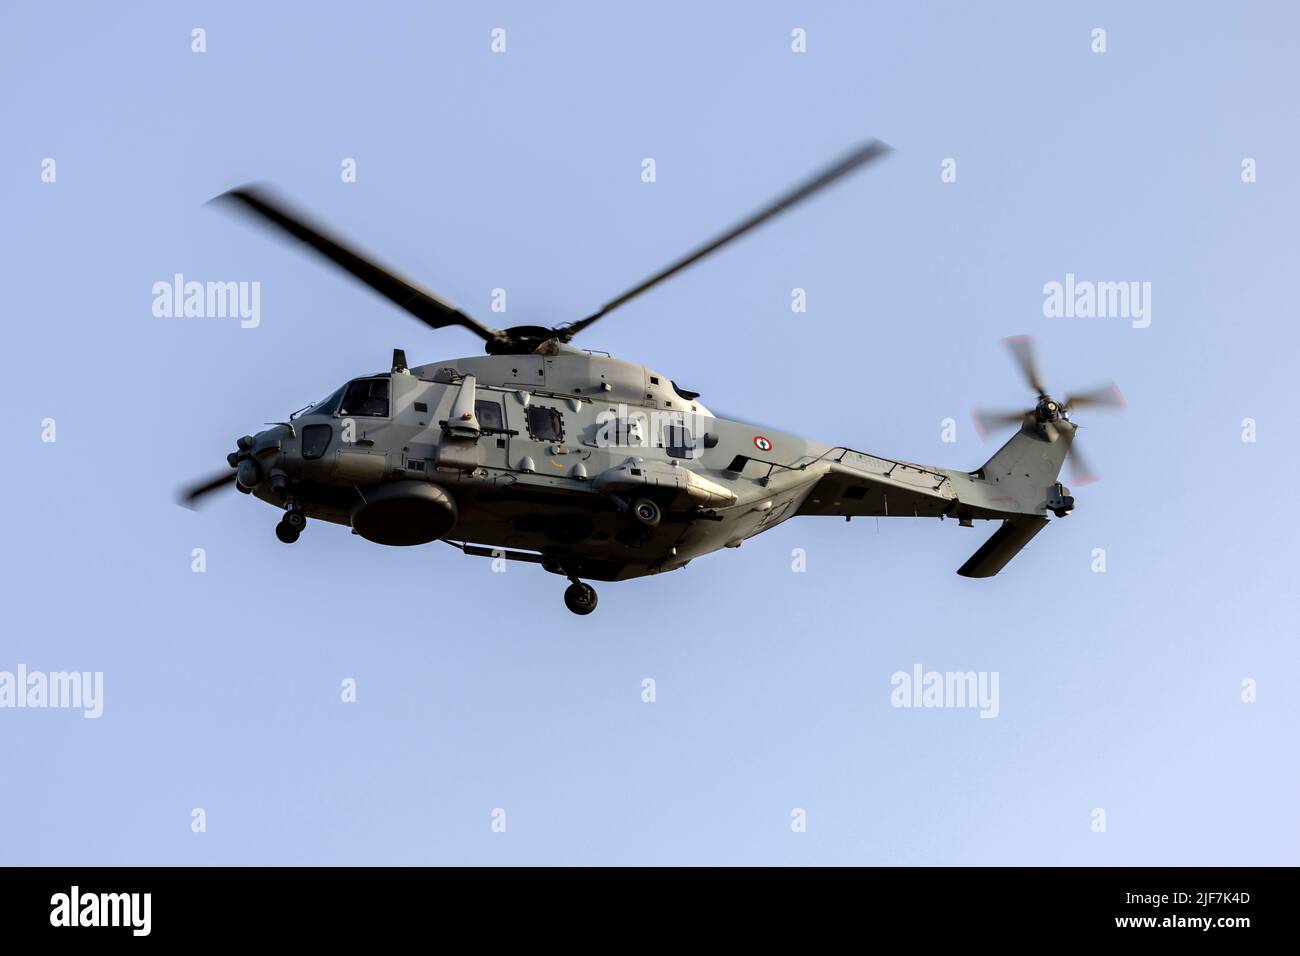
315, 439
367, 397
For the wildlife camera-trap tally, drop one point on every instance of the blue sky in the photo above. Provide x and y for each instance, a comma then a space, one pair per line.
1119, 690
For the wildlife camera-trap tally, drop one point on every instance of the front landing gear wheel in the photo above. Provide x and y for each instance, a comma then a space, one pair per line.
295, 519
580, 598
286, 532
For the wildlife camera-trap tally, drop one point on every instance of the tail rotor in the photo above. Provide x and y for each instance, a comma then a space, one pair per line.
1047, 410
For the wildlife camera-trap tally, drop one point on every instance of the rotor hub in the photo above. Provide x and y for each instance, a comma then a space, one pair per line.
1048, 409
520, 340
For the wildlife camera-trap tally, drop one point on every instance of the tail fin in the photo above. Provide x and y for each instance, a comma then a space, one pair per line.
1019, 483
1020, 475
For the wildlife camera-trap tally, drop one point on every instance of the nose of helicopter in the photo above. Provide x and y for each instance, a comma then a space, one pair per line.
260, 457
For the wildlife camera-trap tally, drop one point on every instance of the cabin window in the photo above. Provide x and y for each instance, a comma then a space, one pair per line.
545, 424
677, 441
315, 439
621, 432
367, 397
489, 416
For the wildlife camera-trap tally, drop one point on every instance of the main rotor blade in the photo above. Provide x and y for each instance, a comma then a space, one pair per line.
1022, 350
1104, 396
856, 158
986, 422
1081, 473
190, 496
425, 306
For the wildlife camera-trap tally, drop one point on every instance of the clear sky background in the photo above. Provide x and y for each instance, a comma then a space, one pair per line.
1119, 690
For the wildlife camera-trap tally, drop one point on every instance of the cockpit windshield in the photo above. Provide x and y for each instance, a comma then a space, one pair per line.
326, 406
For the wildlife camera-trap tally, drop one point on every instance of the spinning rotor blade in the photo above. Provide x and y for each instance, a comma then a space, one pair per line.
987, 422
1105, 396
1047, 410
425, 306
1081, 473
190, 496
858, 157
1022, 350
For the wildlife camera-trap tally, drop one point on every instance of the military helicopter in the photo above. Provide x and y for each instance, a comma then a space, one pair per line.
597, 468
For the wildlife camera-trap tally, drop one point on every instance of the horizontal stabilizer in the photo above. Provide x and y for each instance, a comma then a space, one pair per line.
1003, 545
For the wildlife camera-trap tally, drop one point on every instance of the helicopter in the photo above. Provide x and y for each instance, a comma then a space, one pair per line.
596, 468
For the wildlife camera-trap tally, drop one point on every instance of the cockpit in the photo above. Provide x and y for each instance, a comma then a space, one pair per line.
367, 397
360, 398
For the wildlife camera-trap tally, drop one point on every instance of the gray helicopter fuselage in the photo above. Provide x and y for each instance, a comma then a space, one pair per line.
544, 457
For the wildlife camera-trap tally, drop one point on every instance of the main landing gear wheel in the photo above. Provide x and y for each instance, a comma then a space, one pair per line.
646, 512
291, 526
580, 598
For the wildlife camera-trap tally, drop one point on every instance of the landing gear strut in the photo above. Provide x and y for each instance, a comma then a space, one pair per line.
580, 598
291, 525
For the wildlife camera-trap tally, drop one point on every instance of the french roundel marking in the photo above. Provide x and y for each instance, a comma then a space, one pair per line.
762, 444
